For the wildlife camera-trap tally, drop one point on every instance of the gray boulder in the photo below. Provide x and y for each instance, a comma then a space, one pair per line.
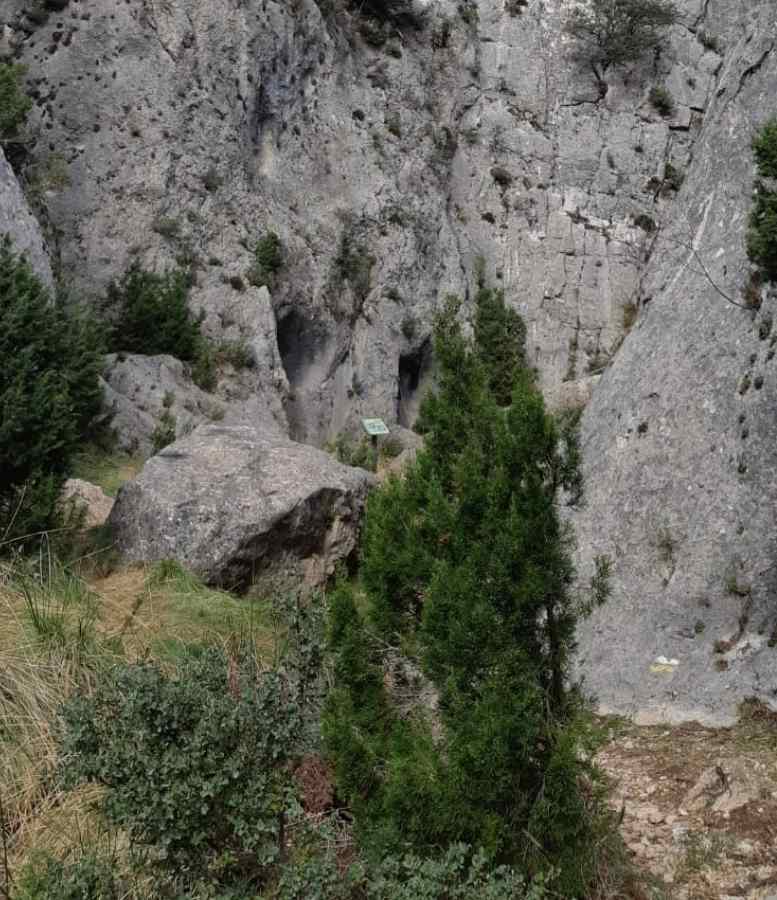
235, 503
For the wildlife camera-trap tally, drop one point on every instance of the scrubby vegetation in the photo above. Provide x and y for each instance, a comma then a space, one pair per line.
153, 315
268, 261
14, 102
50, 360
433, 746
662, 100
762, 233
617, 32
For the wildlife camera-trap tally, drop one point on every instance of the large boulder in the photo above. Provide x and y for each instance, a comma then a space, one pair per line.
235, 503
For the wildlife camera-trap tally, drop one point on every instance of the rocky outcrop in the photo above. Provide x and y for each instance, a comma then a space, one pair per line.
680, 437
189, 129
387, 164
234, 503
147, 393
18, 222
88, 500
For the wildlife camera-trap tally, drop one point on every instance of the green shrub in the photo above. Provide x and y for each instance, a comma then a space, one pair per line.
236, 353
196, 765
457, 874
152, 314
90, 877
616, 32
354, 263
164, 433
204, 369
662, 100
268, 261
50, 362
765, 150
14, 103
762, 232
359, 454
673, 177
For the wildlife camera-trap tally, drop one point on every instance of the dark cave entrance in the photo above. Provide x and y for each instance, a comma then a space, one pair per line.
415, 370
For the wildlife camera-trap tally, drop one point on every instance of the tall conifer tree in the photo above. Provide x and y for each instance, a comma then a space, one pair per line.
468, 579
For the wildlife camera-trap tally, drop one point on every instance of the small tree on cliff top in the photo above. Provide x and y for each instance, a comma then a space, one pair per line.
616, 32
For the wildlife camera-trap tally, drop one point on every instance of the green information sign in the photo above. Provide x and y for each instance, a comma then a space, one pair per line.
374, 427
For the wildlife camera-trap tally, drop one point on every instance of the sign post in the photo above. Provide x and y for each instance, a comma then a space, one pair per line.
375, 428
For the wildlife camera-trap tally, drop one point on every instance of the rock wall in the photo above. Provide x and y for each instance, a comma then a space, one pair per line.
680, 437
182, 131
18, 222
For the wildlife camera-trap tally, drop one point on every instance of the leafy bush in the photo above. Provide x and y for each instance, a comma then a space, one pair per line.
50, 361
196, 766
765, 150
268, 261
616, 32
14, 103
762, 233
89, 877
457, 874
354, 263
466, 566
153, 317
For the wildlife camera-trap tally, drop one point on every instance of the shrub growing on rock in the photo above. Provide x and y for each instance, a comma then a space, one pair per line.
50, 360
14, 103
268, 260
616, 32
762, 233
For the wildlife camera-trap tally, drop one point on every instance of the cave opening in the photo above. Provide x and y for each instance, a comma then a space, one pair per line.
415, 371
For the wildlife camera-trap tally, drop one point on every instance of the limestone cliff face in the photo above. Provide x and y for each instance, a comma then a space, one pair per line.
18, 222
188, 128
681, 433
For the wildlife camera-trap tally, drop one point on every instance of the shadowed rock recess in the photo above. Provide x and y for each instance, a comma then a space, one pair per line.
190, 129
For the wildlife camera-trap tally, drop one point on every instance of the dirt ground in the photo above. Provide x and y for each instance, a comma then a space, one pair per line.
699, 805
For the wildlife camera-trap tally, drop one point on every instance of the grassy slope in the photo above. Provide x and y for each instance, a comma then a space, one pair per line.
107, 470
58, 630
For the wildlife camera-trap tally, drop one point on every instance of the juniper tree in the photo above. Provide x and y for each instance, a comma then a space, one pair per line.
153, 314
49, 393
466, 567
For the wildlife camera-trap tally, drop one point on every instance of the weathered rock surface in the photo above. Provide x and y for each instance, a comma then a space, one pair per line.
18, 222
189, 128
140, 390
232, 503
680, 437
89, 498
